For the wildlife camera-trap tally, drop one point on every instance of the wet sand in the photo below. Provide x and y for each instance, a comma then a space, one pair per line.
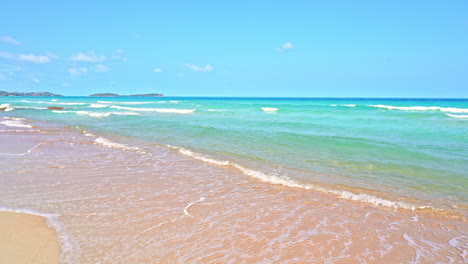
26, 239
146, 203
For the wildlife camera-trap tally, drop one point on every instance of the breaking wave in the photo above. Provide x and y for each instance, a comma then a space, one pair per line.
159, 110
423, 108
458, 116
110, 144
287, 181
95, 114
15, 122
269, 109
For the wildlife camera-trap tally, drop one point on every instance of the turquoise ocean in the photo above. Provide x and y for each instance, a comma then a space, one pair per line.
390, 152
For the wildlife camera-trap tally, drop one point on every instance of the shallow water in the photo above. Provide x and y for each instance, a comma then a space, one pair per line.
408, 152
115, 199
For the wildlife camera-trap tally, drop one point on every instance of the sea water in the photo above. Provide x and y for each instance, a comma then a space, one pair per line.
251, 180
414, 149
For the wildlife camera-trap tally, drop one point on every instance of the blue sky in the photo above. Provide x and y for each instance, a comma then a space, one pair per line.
236, 48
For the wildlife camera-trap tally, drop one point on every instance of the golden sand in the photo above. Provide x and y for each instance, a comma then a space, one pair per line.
26, 239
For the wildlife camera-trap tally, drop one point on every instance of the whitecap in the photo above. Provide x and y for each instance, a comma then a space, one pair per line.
423, 108
7, 107
15, 122
159, 110
98, 105
458, 116
269, 109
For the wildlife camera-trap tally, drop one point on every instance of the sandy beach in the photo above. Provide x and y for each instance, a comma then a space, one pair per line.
26, 238
129, 202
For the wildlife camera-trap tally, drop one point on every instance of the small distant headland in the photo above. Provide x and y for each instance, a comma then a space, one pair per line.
3, 93
133, 95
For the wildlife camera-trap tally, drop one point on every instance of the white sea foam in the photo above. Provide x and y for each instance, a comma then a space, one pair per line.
30, 107
423, 108
15, 122
202, 199
269, 109
124, 103
458, 116
287, 181
159, 110
110, 144
95, 114
98, 105
67, 246
54, 100
7, 107
347, 105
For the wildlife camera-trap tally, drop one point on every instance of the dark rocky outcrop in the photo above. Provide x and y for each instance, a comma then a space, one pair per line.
55, 108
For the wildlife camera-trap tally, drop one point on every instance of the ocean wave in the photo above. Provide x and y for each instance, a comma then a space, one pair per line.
269, 109
165, 102
15, 122
30, 107
98, 105
124, 103
67, 246
95, 114
347, 105
110, 144
458, 116
288, 182
7, 107
423, 108
159, 110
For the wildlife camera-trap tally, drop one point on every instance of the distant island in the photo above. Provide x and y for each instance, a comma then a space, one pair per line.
3, 93
133, 95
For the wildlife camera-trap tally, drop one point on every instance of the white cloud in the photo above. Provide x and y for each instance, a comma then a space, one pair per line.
101, 68
34, 58
119, 54
157, 70
119, 58
206, 68
36, 80
6, 55
52, 55
75, 72
286, 46
87, 57
10, 40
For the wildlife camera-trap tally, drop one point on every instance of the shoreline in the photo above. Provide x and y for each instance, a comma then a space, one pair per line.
26, 238
150, 203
